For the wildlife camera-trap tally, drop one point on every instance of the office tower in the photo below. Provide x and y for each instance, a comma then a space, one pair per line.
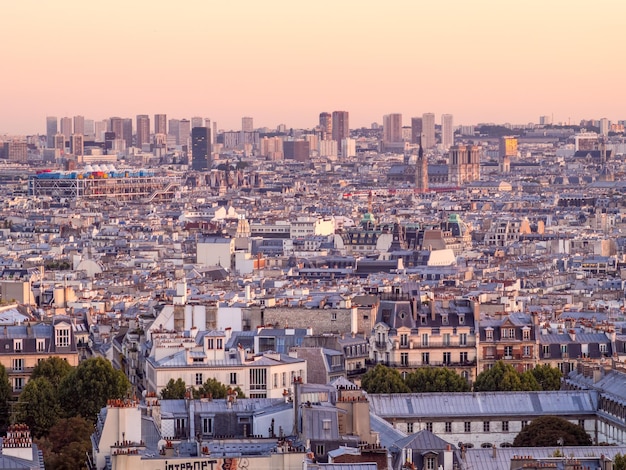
447, 131
298, 150
51, 130
59, 142
604, 126
214, 133
16, 151
173, 126
142, 136
392, 128
127, 132
545, 120
66, 128
416, 130
348, 147
160, 124
184, 131
201, 148
100, 127
79, 125
326, 126
341, 126
197, 121
428, 130
116, 125
77, 144
247, 124
90, 129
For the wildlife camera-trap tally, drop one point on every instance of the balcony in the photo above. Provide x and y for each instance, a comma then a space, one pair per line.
381, 344
415, 365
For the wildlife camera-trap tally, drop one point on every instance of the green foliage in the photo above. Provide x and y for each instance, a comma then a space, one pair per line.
38, 406
215, 389
6, 394
175, 389
619, 462
382, 379
54, 369
503, 377
436, 379
549, 378
549, 431
86, 389
67, 443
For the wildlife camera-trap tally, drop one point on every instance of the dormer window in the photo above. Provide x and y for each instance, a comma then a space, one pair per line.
461, 319
489, 333
444, 319
17, 345
422, 319
62, 337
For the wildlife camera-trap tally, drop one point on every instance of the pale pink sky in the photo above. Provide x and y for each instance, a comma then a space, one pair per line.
287, 61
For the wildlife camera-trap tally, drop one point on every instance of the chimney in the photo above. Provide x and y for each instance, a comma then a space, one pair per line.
448, 460
476, 307
494, 453
433, 310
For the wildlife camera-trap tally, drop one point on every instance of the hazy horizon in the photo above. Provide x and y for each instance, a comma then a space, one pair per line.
284, 62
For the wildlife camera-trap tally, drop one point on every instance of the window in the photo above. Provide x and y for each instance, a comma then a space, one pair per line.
219, 343
62, 337
485, 426
276, 380
463, 339
258, 379
546, 350
423, 319
199, 380
207, 425
425, 358
526, 333
468, 426
581, 423
233, 378
603, 347
18, 384
447, 357
508, 352
320, 449
444, 319
564, 349
409, 427
463, 358
284, 379
448, 426
41, 345
429, 427
528, 351
404, 339
404, 359
461, 319
333, 316
505, 426
446, 339
431, 463
489, 334
210, 343
511, 333
17, 345
18, 364
524, 424
425, 339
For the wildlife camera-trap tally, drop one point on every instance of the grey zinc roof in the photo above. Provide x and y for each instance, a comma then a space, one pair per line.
440, 405
387, 434
423, 440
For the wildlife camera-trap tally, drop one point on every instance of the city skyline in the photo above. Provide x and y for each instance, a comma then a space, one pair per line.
481, 61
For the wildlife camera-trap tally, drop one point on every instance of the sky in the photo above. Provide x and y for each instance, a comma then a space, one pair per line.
285, 61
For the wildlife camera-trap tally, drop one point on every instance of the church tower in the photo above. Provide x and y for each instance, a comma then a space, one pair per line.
421, 171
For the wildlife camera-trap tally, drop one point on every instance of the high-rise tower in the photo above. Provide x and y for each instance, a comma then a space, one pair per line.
66, 128
160, 124
143, 130
200, 148
79, 125
247, 124
447, 131
326, 126
341, 126
392, 128
51, 130
428, 130
416, 130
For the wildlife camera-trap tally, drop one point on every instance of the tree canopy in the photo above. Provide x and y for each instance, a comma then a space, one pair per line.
382, 379
67, 443
5, 396
436, 379
549, 378
551, 431
86, 389
215, 389
54, 369
175, 389
503, 377
38, 406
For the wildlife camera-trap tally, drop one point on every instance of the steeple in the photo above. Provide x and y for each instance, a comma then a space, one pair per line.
421, 170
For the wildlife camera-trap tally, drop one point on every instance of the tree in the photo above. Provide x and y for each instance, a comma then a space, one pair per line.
6, 394
38, 406
382, 379
174, 390
549, 378
503, 377
85, 391
436, 379
66, 444
54, 369
551, 431
215, 389
619, 462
